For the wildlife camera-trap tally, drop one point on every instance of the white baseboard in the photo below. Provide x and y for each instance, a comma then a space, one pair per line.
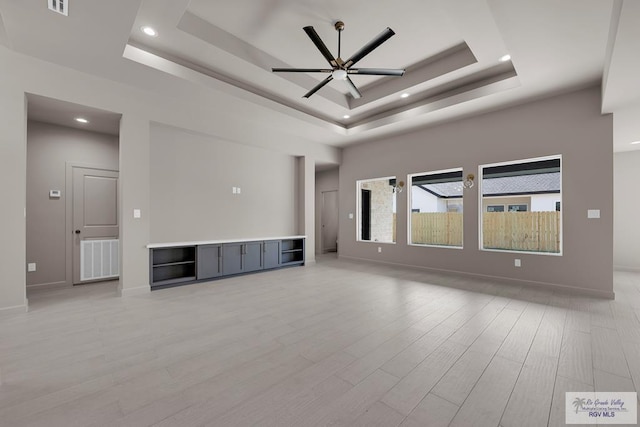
48, 286
551, 286
129, 292
626, 268
14, 309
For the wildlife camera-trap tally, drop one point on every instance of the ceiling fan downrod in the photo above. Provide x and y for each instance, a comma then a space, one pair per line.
339, 26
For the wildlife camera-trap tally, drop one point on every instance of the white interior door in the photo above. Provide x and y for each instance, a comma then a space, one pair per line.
95, 209
329, 221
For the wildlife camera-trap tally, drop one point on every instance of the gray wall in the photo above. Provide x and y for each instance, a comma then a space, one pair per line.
49, 149
13, 167
626, 230
192, 176
326, 180
570, 125
186, 105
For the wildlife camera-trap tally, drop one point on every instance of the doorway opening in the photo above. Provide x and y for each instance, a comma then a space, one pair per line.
327, 209
329, 222
73, 212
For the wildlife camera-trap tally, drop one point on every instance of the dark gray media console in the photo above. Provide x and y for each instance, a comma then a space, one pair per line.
183, 264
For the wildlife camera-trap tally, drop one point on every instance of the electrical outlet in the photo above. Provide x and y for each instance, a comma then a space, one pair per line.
234, 190
137, 213
238, 190
350, 216
31, 267
379, 249
517, 263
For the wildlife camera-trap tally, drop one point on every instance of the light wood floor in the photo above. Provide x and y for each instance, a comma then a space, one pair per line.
338, 343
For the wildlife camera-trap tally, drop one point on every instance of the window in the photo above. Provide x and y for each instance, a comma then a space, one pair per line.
376, 210
436, 208
531, 192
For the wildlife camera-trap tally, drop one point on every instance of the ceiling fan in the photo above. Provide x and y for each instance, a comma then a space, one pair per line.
341, 69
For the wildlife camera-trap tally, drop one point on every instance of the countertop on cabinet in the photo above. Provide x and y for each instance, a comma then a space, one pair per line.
220, 241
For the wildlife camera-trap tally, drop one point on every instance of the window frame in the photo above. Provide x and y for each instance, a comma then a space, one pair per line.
481, 198
526, 206
359, 210
409, 207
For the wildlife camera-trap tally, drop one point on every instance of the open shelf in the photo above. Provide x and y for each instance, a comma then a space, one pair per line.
174, 263
292, 245
292, 252
165, 256
171, 266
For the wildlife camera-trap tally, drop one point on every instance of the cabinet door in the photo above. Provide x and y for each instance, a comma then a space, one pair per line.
232, 258
252, 256
209, 261
271, 251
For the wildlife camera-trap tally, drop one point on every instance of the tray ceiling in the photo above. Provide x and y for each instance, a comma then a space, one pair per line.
450, 48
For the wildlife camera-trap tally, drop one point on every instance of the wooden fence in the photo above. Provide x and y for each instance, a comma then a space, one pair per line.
436, 228
522, 231
518, 231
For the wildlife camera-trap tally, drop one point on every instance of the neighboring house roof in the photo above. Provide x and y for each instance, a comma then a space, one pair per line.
508, 185
522, 184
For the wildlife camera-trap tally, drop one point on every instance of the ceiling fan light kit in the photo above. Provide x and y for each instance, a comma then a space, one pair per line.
340, 69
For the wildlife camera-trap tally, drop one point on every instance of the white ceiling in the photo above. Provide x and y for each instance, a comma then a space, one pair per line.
450, 48
55, 111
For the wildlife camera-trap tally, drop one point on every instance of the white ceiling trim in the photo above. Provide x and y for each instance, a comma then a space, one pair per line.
189, 73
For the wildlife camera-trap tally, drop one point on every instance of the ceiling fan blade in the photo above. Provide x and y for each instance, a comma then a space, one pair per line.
376, 71
315, 38
318, 87
369, 47
352, 88
301, 70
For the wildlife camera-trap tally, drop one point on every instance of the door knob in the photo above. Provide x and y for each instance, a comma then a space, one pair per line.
77, 231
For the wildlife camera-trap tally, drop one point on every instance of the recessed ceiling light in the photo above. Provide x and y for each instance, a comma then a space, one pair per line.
505, 58
635, 142
404, 95
149, 31
81, 120
346, 116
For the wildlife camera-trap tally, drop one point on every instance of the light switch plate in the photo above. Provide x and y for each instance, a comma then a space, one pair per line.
137, 213
239, 190
593, 213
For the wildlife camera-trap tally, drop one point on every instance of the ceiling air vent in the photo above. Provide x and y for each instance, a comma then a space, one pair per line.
59, 6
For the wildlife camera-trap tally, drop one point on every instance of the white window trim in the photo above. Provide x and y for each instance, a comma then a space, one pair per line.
480, 210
